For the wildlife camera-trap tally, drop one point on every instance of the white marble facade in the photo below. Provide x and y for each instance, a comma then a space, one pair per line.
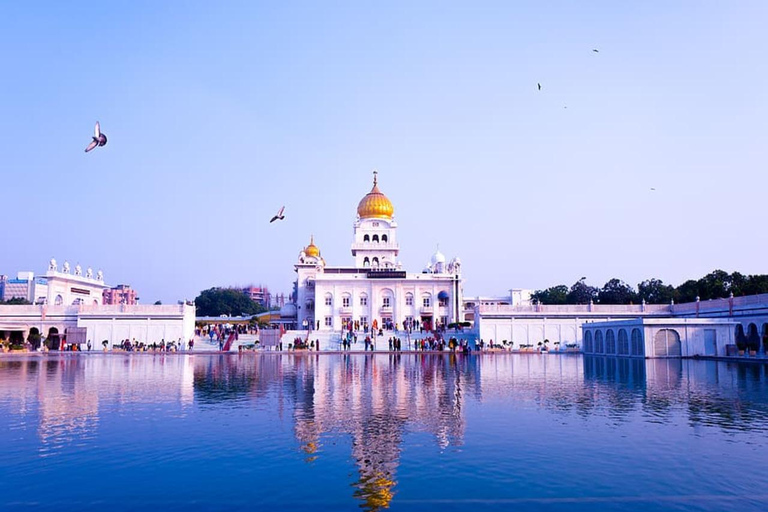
376, 289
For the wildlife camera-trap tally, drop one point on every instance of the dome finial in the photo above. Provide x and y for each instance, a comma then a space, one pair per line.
375, 177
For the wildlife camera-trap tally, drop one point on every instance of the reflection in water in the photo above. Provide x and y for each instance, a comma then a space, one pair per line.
375, 401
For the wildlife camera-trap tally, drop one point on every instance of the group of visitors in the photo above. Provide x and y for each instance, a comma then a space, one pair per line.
139, 346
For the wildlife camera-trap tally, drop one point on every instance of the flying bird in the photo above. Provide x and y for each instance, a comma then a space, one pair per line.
279, 215
99, 139
538, 85
595, 50
653, 189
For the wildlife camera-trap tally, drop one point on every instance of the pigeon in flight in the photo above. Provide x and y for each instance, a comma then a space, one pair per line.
653, 189
539, 86
595, 50
99, 139
279, 215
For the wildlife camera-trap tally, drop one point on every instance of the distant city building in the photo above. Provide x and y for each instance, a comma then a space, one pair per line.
259, 294
23, 287
120, 294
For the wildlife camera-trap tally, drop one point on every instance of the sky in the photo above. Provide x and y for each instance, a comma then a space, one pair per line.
219, 113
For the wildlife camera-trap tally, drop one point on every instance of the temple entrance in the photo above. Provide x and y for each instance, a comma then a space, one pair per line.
34, 338
426, 322
54, 340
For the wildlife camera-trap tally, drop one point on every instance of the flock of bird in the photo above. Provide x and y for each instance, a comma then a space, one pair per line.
100, 140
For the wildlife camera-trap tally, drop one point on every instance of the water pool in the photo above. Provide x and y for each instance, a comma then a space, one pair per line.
407, 432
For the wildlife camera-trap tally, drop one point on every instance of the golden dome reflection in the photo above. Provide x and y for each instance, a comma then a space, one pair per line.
375, 205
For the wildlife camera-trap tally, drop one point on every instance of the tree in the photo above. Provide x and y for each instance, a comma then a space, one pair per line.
553, 295
226, 301
688, 291
581, 293
15, 301
715, 285
158, 303
654, 291
617, 291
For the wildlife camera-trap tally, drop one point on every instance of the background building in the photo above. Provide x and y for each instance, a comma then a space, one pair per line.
120, 294
259, 294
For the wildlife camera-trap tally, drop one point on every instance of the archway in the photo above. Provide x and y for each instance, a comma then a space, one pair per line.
383, 238
54, 340
599, 349
588, 342
610, 342
637, 342
34, 338
666, 343
366, 238
765, 338
623, 343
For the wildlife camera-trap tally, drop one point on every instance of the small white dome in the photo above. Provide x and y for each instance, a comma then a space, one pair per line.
288, 311
457, 260
438, 257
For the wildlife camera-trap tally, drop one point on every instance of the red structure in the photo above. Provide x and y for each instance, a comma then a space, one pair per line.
120, 294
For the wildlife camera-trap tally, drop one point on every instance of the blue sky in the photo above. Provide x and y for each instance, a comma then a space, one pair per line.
219, 113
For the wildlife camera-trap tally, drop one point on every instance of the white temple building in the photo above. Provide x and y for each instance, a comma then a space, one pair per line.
375, 291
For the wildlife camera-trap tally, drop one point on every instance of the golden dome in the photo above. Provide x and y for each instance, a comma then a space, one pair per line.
312, 249
375, 205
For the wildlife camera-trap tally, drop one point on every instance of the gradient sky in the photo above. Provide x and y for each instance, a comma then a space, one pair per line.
219, 113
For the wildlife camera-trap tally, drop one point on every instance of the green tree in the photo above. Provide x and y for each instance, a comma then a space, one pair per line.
654, 291
226, 301
553, 295
617, 291
15, 301
715, 285
158, 303
581, 293
687, 292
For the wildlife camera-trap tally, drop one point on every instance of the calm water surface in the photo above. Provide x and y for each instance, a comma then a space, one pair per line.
409, 432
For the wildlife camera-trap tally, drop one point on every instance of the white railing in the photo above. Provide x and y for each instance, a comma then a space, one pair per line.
361, 246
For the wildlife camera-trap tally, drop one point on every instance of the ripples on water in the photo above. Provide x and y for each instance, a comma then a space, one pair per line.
331, 432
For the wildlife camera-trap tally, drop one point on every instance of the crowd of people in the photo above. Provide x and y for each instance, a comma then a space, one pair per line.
133, 345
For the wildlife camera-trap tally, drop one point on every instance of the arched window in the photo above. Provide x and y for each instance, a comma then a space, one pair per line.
753, 337
363, 299
409, 299
623, 343
588, 348
77, 302
59, 300
384, 238
346, 300
328, 299
599, 349
366, 261
637, 343
375, 262
375, 238
610, 342
666, 343
366, 238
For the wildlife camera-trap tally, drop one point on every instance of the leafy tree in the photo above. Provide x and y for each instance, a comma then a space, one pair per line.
158, 303
617, 291
715, 285
226, 301
581, 293
687, 292
15, 301
553, 295
654, 291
